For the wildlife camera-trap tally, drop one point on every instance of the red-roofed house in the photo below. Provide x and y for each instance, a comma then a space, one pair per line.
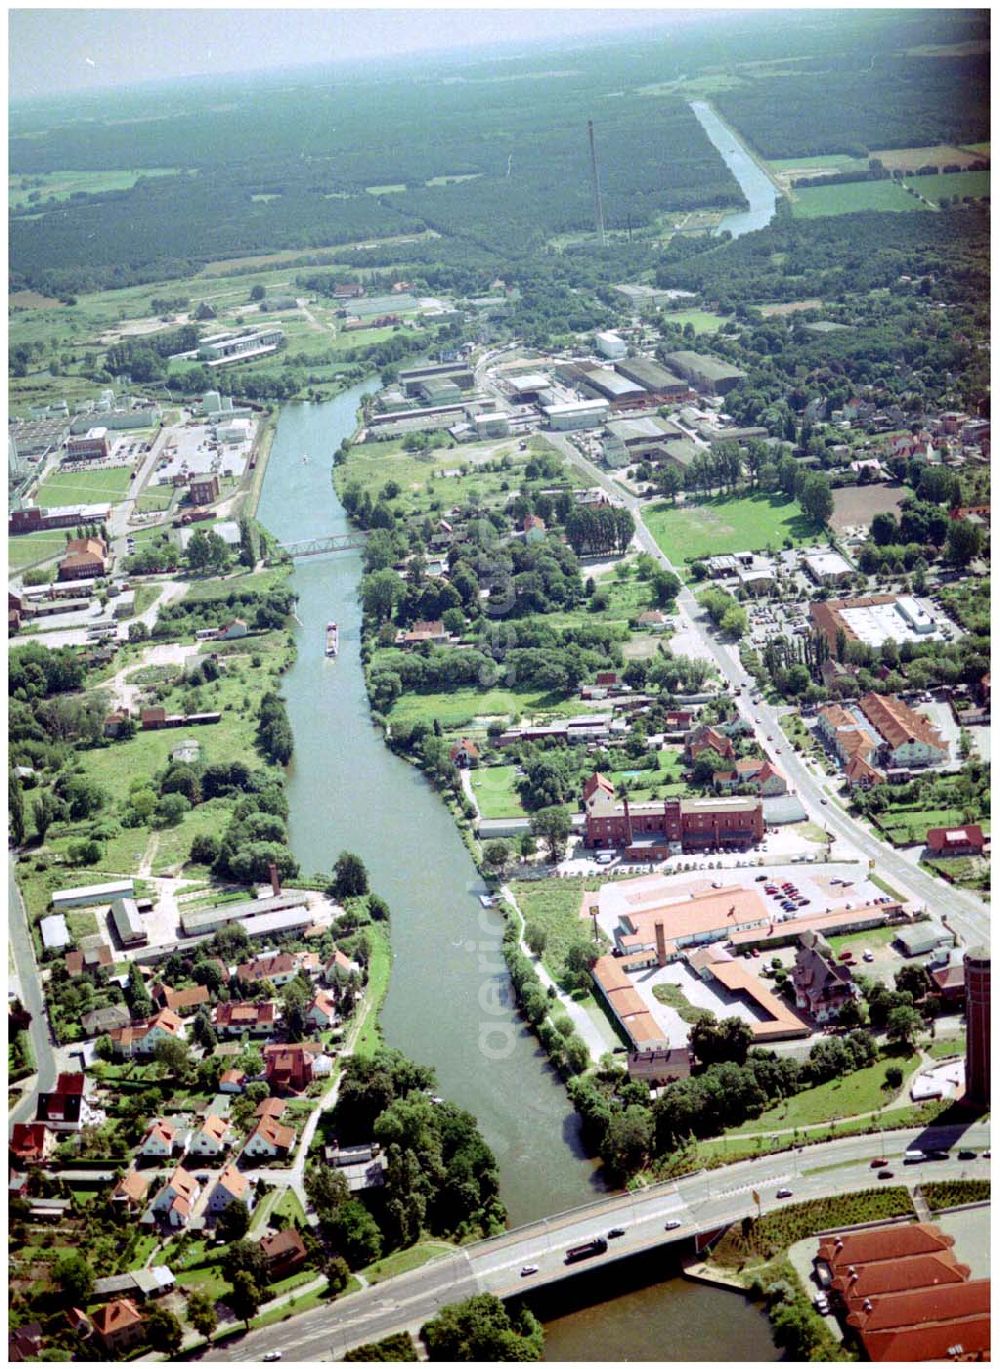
212, 1138
270, 1140
464, 753
176, 1199
284, 1252
751, 773
181, 1001
956, 841
160, 1141
233, 1019
323, 1010
65, 1108
118, 1325
31, 1142
289, 1069
231, 1187
232, 1081
129, 1194
141, 1038
340, 968
706, 738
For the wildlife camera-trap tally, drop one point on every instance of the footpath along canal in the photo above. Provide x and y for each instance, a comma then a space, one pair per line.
449, 1002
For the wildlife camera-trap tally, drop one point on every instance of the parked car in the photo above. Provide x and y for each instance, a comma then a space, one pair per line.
529, 1269
869, 956
783, 1193
672, 1226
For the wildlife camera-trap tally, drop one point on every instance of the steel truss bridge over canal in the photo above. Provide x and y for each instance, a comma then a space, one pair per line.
325, 546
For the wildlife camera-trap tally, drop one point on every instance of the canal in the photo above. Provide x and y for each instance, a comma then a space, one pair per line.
449, 1002
760, 191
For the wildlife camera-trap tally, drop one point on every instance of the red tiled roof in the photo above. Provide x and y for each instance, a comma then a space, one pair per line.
283, 1244
898, 722
882, 1243
115, 1316
274, 1133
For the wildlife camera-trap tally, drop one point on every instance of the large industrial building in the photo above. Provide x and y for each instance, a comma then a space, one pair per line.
584, 413
660, 383
874, 619
706, 373
93, 445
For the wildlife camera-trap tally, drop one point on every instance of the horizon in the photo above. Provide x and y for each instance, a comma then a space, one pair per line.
57, 53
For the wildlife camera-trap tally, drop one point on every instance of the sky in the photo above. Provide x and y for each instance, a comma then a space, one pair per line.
52, 51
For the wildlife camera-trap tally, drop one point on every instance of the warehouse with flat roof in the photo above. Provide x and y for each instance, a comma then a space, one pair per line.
706, 373
584, 413
652, 376
207, 920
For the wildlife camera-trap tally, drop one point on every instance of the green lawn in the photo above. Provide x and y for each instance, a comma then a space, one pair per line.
940, 1050
701, 320
854, 197
673, 996
877, 936
961, 183
837, 161
462, 706
839, 1098
401, 1261
554, 904
108, 485
904, 826
379, 969
722, 525
34, 546
495, 788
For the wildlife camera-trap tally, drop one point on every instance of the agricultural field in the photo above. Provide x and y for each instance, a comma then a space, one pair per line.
108, 485
944, 154
854, 197
60, 185
722, 525
961, 183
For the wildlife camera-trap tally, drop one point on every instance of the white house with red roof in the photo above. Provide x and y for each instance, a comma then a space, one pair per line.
211, 1139
175, 1201
323, 1010
270, 1140
161, 1140
230, 1187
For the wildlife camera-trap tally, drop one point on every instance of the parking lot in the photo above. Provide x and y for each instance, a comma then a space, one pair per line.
192, 451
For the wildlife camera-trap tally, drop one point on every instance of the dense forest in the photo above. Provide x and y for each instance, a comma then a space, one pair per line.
493, 157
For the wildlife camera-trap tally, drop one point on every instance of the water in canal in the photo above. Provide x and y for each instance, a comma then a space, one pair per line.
449, 1002
759, 190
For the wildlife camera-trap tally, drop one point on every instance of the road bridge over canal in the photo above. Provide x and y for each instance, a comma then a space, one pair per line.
664, 1214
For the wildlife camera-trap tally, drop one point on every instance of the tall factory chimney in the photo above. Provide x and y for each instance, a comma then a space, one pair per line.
598, 206
661, 944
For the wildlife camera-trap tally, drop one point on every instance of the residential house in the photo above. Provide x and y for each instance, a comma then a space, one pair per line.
230, 1187
277, 968
755, 774
290, 1069
129, 1194
323, 1012
284, 1251
115, 722
956, 841
652, 620
909, 738
533, 527
706, 738
464, 753
270, 1107
422, 633
31, 1142
234, 1018
270, 1140
180, 1001
66, 1108
339, 969
232, 1081
211, 1139
860, 774
142, 1038
161, 1140
93, 960
176, 1199
822, 983
25, 1342
118, 1325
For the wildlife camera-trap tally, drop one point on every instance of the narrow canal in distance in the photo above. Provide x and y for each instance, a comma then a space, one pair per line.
347, 791
760, 191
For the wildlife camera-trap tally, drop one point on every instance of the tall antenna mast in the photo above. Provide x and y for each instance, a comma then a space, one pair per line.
598, 206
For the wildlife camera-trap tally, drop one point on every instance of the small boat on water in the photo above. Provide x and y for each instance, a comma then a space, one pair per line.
305, 458
332, 639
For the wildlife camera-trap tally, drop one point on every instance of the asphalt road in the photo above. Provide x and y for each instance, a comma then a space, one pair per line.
966, 913
699, 1203
32, 997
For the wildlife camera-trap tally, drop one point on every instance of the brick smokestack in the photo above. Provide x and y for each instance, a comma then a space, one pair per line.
661, 945
272, 870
